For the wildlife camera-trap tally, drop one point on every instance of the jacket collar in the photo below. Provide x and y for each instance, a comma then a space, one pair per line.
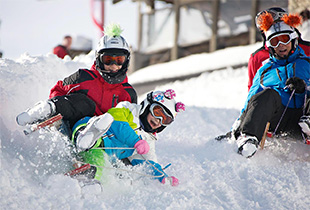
290, 59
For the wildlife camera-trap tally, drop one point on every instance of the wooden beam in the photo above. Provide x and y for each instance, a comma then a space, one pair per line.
253, 30
215, 18
140, 23
175, 48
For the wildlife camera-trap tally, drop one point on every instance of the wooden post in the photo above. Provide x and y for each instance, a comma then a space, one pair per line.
215, 17
175, 48
151, 22
253, 30
262, 142
140, 22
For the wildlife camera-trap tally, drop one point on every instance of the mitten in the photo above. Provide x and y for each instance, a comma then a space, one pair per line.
173, 181
297, 84
142, 147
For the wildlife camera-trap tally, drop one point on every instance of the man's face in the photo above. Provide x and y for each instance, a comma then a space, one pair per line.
282, 44
283, 50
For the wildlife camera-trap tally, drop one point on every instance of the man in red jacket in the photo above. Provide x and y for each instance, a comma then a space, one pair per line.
89, 92
261, 55
62, 50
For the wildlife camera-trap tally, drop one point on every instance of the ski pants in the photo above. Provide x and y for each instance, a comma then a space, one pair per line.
266, 106
97, 158
74, 107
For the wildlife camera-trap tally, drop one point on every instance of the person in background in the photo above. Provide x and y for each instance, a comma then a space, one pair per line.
305, 26
127, 133
63, 49
280, 88
261, 55
89, 92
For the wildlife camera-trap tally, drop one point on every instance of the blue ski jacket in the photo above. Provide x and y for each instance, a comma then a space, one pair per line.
124, 133
275, 73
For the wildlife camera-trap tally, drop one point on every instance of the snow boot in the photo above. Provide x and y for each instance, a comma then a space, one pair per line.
247, 145
304, 123
41, 110
94, 129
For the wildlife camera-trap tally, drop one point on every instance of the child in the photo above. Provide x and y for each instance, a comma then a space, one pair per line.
127, 132
89, 92
279, 94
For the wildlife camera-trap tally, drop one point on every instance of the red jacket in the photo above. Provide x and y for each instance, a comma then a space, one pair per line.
91, 83
259, 57
60, 51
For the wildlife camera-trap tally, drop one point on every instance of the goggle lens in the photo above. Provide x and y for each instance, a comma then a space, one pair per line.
113, 59
158, 112
284, 39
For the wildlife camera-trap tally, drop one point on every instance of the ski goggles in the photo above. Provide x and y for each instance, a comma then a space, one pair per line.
113, 59
276, 13
159, 112
281, 38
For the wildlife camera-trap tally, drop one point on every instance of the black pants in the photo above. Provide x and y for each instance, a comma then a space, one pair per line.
74, 107
266, 106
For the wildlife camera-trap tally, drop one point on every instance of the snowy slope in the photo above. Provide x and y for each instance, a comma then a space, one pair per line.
212, 175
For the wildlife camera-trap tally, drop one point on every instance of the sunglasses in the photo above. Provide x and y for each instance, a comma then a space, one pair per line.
113, 59
282, 38
159, 112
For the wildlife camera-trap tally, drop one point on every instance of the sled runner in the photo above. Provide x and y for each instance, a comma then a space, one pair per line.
49, 122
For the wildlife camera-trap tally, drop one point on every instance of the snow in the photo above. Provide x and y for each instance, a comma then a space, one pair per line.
212, 175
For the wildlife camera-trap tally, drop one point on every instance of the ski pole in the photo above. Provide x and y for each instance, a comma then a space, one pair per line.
289, 100
167, 166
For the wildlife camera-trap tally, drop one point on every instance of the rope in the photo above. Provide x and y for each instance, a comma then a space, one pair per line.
142, 174
147, 161
289, 100
304, 113
120, 169
305, 103
112, 148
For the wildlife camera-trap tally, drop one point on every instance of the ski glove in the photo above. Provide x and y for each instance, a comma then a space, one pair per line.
297, 84
142, 147
173, 181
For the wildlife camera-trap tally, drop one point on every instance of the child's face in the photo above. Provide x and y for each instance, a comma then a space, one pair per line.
113, 68
154, 122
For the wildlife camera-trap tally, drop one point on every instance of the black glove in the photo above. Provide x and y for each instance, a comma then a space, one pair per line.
296, 83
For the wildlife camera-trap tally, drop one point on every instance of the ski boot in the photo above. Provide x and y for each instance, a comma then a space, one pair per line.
40, 111
247, 145
94, 129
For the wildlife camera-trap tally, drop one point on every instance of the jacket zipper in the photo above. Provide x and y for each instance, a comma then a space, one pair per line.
114, 100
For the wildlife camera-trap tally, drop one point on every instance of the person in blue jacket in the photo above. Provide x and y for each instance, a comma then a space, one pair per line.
280, 89
127, 133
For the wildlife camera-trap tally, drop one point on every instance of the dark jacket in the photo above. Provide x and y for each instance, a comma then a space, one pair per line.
92, 84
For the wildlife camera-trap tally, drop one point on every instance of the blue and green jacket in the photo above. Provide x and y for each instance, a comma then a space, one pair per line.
125, 132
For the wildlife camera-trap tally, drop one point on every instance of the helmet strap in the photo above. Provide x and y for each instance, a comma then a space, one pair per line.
143, 120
